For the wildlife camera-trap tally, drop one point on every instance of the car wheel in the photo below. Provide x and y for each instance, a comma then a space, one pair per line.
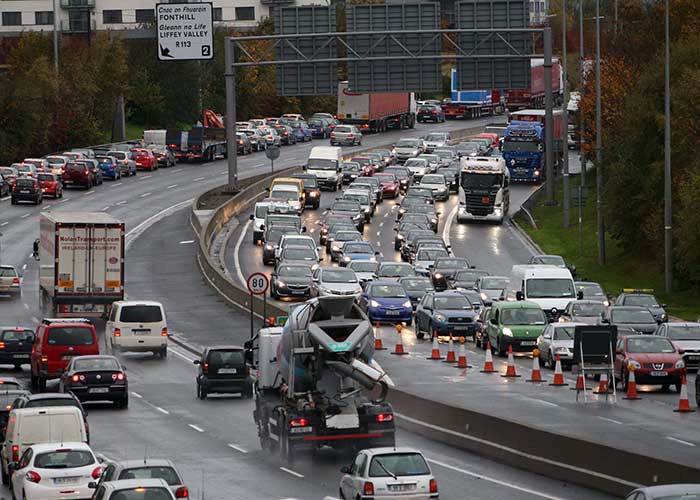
697, 390
163, 352
665, 387
501, 349
550, 361
678, 386
122, 403
624, 379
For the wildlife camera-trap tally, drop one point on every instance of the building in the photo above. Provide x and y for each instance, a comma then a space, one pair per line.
538, 11
134, 17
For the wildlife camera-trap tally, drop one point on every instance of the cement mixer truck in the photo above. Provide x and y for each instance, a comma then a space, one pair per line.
315, 384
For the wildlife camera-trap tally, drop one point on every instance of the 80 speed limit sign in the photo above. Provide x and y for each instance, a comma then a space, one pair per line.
257, 283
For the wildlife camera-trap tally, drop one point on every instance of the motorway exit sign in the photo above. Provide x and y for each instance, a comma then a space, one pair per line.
185, 31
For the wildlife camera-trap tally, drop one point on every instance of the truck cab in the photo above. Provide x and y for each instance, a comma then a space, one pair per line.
523, 151
484, 192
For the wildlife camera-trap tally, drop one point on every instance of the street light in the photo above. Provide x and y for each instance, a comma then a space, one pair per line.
668, 214
599, 143
565, 117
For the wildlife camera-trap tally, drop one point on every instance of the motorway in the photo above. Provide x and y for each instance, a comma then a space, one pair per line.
214, 442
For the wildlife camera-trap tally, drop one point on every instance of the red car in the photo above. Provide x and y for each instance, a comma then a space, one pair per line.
390, 185
144, 159
77, 174
656, 361
366, 165
50, 185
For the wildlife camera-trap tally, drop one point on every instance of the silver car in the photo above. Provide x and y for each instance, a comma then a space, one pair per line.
491, 288
346, 134
418, 167
437, 140
686, 337
366, 270
666, 492
335, 281
557, 339
437, 184
147, 468
408, 148
125, 160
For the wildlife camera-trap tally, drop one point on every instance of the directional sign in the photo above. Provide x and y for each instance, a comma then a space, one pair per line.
185, 31
257, 283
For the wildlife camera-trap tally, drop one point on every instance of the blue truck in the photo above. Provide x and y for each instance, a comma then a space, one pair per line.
524, 144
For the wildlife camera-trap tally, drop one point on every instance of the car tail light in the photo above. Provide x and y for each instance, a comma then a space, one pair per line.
321, 129
385, 417
164, 332
332, 134
434, 112
64, 308
299, 422
15, 452
433, 486
247, 370
117, 332
2, 345
182, 492
349, 136
368, 489
205, 368
118, 376
78, 378
44, 359
96, 472
32, 477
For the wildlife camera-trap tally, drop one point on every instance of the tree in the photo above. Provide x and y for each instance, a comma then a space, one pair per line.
146, 102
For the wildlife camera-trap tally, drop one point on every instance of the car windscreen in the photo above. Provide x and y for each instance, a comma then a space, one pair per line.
407, 143
348, 236
396, 270
453, 301
362, 199
225, 357
48, 402
166, 473
75, 167
631, 316
398, 464
415, 163
552, 288
149, 493
444, 154
95, 364
470, 276
357, 248
564, 333
388, 291
523, 316
284, 194
260, 211
510, 146
322, 164
433, 179
310, 182
686, 332
468, 146
418, 285
339, 276
430, 253
141, 314
24, 183
641, 300
590, 289
343, 130
294, 271
494, 283
588, 309
346, 207
551, 260
398, 172
363, 266
63, 459
15, 335
298, 254
385, 177
46, 177
649, 344
70, 336
436, 137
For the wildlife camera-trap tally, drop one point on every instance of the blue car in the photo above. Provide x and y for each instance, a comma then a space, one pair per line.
444, 314
386, 301
110, 168
351, 171
357, 250
302, 132
320, 128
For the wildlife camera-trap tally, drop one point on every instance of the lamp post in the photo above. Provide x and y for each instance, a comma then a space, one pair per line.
565, 118
668, 214
582, 156
599, 143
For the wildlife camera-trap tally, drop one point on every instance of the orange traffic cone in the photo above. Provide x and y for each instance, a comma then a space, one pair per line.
488, 361
683, 402
378, 345
536, 376
398, 350
435, 352
580, 383
602, 384
450, 352
631, 385
558, 374
510, 369
462, 358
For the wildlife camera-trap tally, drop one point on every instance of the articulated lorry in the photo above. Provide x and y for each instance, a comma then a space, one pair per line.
376, 112
534, 96
315, 383
471, 103
524, 144
81, 256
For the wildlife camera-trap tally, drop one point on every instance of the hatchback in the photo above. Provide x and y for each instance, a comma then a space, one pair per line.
125, 160
223, 370
10, 282
26, 189
110, 167
50, 185
15, 345
144, 159
386, 301
148, 468
346, 135
655, 361
96, 378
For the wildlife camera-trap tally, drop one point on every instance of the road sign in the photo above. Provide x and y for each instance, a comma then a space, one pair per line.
185, 31
257, 283
272, 152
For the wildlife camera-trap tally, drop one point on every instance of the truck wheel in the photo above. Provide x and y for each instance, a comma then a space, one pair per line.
41, 384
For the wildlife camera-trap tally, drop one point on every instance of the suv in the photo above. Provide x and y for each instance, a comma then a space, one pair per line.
56, 342
223, 370
10, 282
26, 189
77, 174
16, 345
514, 323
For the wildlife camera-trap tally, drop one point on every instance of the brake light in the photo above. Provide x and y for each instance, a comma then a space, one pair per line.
78, 378
299, 422
15, 452
433, 486
96, 472
8, 407
205, 368
117, 332
349, 136
44, 358
118, 376
164, 332
2, 345
368, 489
32, 477
385, 417
247, 370
182, 492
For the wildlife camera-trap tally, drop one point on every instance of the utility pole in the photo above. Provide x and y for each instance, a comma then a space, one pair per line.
582, 156
565, 118
56, 25
668, 213
599, 143
548, 118
231, 139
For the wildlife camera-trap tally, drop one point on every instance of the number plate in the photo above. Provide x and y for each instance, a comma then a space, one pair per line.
65, 480
528, 342
21, 356
393, 313
298, 292
67, 356
659, 374
693, 358
227, 371
402, 487
24, 191
98, 390
141, 332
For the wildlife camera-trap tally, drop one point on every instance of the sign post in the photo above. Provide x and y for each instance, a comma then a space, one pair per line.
185, 31
257, 284
273, 152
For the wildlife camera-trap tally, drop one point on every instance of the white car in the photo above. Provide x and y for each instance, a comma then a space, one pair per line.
433, 161
389, 473
417, 166
437, 140
365, 201
60, 471
425, 258
366, 270
134, 489
335, 281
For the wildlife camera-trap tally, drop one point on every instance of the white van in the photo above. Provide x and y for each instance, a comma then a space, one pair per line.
28, 426
137, 326
326, 163
551, 287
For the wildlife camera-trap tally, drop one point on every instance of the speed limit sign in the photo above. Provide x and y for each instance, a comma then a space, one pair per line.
257, 283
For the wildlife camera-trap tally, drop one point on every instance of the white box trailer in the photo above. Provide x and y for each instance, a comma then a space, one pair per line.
81, 257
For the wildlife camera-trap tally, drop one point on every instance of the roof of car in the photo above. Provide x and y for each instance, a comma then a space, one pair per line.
684, 324
128, 484
145, 462
138, 303
562, 324
391, 450
383, 282
50, 395
587, 301
671, 489
516, 304
627, 308
72, 445
224, 346
10, 380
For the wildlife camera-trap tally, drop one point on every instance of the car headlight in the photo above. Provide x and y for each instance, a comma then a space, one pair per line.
346, 259
281, 284
313, 194
335, 248
407, 304
414, 152
393, 151
507, 332
483, 296
440, 318
402, 211
433, 221
373, 259
438, 276
367, 210
634, 364
561, 350
373, 303
269, 247
314, 267
663, 317
606, 303
679, 364
399, 236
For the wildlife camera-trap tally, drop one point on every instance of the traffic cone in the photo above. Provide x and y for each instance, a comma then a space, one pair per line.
450, 352
536, 376
488, 361
580, 383
435, 352
683, 402
558, 374
398, 350
510, 369
602, 384
462, 358
631, 385
378, 345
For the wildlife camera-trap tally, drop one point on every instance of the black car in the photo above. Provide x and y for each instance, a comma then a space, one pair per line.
351, 171
444, 270
243, 145
430, 113
15, 346
286, 134
96, 378
631, 320
416, 287
26, 189
311, 189
452, 176
466, 279
223, 370
292, 281
273, 235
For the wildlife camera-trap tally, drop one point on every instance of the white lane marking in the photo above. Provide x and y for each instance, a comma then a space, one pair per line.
547, 403
381, 224
237, 248
611, 420
171, 186
26, 306
117, 184
379, 243
176, 170
223, 172
180, 355
136, 395
237, 448
198, 429
123, 202
386, 215
293, 473
105, 208
448, 225
65, 201
186, 242
35, 319
259, 165
671, 438
198, 179
134, 233
30, 255
5, 198
4, 223
24, 267
162, 410
493, 480
516, 452
146, 194
145, 176
89, 193
25, 216
379, 233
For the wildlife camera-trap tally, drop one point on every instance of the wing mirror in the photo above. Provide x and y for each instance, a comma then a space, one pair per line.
196, 362
345, 470
252, 217
579, 295
519, 295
